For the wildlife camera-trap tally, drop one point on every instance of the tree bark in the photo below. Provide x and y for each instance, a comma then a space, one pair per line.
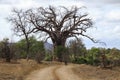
28, 46
59, 44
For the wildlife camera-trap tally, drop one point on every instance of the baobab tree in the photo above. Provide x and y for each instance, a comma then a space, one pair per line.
59, 23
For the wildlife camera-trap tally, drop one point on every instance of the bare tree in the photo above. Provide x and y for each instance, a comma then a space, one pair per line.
59, 23
21, 26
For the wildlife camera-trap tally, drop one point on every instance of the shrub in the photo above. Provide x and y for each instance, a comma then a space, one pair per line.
39, 57
79, 60
48, 57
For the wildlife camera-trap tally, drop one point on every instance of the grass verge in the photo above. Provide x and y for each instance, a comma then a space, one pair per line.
18, 70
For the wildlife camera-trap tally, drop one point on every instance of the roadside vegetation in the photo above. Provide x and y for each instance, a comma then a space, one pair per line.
75, 52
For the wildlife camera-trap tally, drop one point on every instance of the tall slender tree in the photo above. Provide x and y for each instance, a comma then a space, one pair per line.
20, 26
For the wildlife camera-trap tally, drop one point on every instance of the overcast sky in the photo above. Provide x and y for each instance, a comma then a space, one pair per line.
104, 13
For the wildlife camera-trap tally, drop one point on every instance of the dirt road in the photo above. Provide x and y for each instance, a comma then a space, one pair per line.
60, 72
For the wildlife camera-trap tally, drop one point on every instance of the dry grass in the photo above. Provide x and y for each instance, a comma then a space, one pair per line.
87, 72
18, 70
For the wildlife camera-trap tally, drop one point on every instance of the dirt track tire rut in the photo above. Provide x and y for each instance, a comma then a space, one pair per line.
53, 73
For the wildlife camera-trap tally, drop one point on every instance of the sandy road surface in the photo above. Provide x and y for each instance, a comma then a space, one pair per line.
54, 73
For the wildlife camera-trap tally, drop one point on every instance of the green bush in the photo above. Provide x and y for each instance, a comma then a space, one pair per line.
92, 61
79, 60
61, 53
48, 57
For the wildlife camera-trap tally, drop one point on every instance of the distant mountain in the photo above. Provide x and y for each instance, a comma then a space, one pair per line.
48, 46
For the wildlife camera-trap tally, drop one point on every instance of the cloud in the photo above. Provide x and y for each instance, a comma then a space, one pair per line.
106, 1
9, 1
113, 15
111, 1
116, 31
67, 4
19, 3
109, 35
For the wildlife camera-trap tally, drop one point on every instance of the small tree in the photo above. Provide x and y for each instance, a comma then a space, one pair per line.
77, 49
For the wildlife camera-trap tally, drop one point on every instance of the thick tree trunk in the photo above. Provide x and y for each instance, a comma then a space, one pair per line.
58, 50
